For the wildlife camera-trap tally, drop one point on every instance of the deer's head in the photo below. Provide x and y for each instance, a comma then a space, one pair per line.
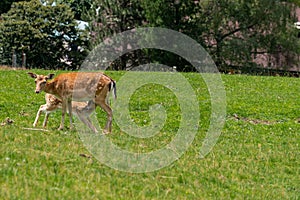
40, 81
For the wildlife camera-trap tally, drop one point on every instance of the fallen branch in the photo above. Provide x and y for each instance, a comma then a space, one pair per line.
36, 129
85, 155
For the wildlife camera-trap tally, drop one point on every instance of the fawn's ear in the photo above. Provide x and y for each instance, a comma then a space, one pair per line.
50, 76
32, 75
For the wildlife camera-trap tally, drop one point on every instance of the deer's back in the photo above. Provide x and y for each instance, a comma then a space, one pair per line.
80, 85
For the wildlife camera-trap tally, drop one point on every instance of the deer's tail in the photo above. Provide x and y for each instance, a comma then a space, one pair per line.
113, 88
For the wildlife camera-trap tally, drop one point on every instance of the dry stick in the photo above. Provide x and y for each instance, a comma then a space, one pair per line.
36, 129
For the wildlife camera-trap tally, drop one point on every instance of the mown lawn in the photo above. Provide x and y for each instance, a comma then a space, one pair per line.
257, 155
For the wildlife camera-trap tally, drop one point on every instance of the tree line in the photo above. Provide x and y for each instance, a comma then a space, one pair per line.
236, 33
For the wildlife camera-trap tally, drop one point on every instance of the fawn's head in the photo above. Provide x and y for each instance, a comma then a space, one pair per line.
40, 81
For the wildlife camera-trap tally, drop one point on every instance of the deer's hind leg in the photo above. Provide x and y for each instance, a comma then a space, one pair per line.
87, 121
102, 103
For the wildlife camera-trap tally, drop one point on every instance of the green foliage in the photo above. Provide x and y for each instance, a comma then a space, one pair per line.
5, 5
233, 32
296, 2
79, 7
115, 16
112, 17
250, 160
47, 34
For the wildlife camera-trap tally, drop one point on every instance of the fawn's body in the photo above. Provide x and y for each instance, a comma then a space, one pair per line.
81, 109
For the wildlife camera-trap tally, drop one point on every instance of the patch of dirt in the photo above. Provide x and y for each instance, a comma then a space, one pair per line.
7, 121
23, 113
252, 121
89, 157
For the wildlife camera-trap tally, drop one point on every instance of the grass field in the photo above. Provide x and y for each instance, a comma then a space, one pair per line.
257, 155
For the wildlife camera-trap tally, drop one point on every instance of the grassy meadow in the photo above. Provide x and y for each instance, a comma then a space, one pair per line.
257, 155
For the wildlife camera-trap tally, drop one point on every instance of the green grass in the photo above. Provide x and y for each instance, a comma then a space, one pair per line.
250, 161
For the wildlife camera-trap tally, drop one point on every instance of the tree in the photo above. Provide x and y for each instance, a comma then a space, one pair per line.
234, 32
110, 17
46, 33
239, 31
180, 15
5, 5
79, 7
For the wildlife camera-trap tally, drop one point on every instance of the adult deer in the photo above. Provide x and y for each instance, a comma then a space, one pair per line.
81, 109
78, 86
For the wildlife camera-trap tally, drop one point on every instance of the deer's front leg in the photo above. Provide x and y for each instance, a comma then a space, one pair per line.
63, 112
70, 113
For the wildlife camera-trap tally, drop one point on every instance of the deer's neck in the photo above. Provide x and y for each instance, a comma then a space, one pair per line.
50, 88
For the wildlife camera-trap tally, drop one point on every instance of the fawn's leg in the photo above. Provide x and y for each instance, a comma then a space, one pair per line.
46, 119
38, 114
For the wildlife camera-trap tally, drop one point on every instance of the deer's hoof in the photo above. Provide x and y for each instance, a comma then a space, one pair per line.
105, 132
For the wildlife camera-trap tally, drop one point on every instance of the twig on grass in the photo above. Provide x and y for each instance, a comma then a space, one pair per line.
36, 129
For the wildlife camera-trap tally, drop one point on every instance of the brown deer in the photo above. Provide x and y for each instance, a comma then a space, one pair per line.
81, 109
78, 86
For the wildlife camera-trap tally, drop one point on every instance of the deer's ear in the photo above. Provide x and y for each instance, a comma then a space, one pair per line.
32, 75
50, 76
